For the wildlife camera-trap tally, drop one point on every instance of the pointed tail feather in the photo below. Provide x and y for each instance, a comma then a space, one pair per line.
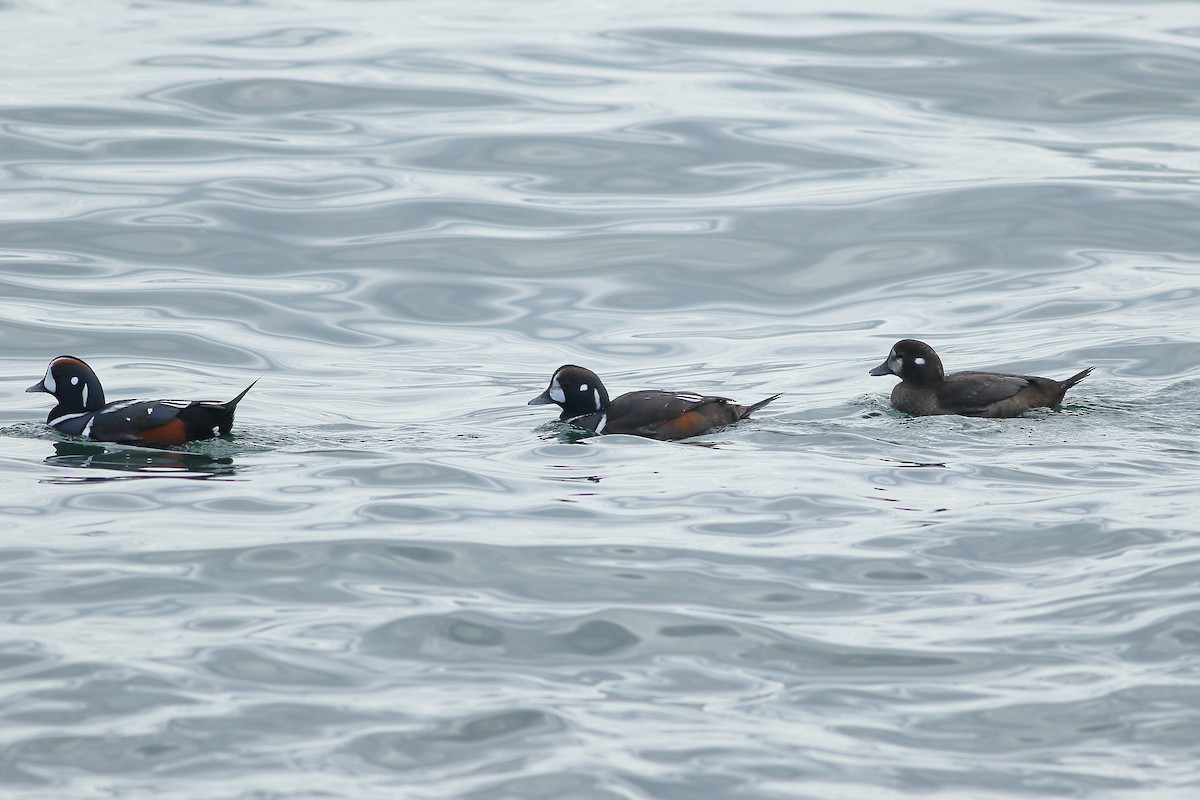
232, 404
748, 410
1076, 378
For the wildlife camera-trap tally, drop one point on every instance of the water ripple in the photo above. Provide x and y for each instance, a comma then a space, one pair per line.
403, 222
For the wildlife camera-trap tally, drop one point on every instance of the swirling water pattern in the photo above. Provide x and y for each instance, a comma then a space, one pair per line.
397, 580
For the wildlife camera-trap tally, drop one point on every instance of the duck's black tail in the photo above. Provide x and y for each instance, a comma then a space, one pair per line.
748, 410
207, 418
232, 404
1076, 378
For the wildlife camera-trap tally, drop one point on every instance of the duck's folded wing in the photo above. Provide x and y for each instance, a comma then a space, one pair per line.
959, 391
668, 414
139, 421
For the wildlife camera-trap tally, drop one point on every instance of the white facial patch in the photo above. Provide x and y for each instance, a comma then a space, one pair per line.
583, 387
896, 364
556, 392
74, 380
920, 362
48, 381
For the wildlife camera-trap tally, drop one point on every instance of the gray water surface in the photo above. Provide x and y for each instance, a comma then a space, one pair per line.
397, 580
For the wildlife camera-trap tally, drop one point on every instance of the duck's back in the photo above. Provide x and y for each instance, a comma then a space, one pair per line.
670, 415
981, 394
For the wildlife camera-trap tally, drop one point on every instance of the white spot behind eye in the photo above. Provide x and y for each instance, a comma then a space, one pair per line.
74, 380
583, 387
920, 362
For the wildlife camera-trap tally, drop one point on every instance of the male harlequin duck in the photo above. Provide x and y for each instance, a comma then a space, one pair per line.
81, 410
925, 390
657, 415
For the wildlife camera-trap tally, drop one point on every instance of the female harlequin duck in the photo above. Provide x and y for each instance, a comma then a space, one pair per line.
657, 415
925, 390
81, 410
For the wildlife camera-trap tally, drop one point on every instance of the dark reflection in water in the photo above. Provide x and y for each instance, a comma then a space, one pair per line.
563, 433
902, 464
141, 462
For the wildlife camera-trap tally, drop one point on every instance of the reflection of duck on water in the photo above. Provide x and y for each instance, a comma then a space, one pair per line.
146, 463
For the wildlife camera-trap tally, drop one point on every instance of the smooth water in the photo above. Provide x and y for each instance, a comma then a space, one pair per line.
397, 580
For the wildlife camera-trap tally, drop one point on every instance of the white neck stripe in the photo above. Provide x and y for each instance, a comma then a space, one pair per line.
66, 417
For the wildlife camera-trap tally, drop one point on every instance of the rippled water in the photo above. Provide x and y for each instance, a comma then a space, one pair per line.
398, 580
